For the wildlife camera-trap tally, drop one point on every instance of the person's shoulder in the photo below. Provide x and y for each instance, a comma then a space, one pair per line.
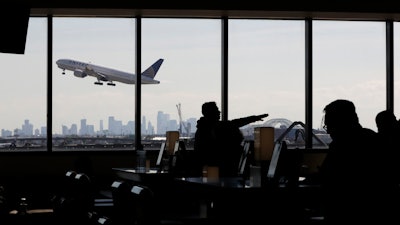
368, 131
369, 136
224, 122
203, 121
227, 124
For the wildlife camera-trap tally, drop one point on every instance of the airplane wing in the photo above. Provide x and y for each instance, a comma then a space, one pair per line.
99, 75
102, 77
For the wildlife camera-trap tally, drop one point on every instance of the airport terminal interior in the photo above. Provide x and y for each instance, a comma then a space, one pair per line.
134, 175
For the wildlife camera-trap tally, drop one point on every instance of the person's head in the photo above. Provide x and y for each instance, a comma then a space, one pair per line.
340, 117
385, 121
210, 110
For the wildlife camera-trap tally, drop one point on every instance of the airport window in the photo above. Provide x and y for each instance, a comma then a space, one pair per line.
396, 30
266, 74
24, 91
190, 75
89, 113
265, 65
349, 62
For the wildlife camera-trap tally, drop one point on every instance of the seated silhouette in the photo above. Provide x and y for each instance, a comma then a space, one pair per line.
388, 135
355, 187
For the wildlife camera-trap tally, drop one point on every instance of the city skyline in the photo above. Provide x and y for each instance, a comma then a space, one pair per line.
28, 128
171, 124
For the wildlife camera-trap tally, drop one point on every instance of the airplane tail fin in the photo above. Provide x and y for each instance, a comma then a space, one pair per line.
153, 69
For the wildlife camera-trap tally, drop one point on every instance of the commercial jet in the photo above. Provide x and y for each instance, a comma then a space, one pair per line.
104, 74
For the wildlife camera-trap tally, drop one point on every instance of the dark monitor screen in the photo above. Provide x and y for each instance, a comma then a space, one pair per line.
285, 164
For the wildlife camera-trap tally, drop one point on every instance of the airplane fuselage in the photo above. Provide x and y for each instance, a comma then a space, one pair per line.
82, 69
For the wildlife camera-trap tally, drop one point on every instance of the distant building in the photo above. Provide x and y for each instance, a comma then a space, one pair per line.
6, 133
27, 129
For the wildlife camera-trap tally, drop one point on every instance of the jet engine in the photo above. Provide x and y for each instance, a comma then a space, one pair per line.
79, 73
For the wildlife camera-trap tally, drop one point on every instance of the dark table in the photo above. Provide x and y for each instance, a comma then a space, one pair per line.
226, 199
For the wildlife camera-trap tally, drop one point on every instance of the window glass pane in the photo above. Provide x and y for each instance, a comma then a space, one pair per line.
266, 74
396, 29
189, 76
82, 109
23, 115
349, 63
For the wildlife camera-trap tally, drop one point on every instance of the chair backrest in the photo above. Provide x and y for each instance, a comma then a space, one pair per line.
96, 219
245, 158
70, 174
123, 204
120, 191
160, 155
84, 191
75, 201
103, 220
279, 147
146, 208
68, 182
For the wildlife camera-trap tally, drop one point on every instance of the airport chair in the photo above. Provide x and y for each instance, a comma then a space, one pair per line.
78, 202
246, 158
88, 195
136, 204
83, 192
103, 220
123, 204
96, 219
62, 197
75, 200
147, 208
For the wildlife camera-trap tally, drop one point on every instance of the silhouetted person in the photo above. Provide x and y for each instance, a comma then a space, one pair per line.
219, 143
389, 134
387, 123
354, 183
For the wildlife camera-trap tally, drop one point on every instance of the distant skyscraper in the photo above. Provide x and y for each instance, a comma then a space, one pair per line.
27, 129
150, 128
74, 129
118, 127
90, 130
83, 130
17, 132
43, 131
130, 128
6, 133
143, 126
64, 130
111, 125
172, 125
162, 122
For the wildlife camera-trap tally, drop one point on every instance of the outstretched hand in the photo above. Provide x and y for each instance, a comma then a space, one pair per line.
262, 116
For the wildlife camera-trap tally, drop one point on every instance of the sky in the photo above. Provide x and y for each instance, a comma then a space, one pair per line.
266, 69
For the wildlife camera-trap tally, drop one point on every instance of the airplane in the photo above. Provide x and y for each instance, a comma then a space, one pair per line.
104, 74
